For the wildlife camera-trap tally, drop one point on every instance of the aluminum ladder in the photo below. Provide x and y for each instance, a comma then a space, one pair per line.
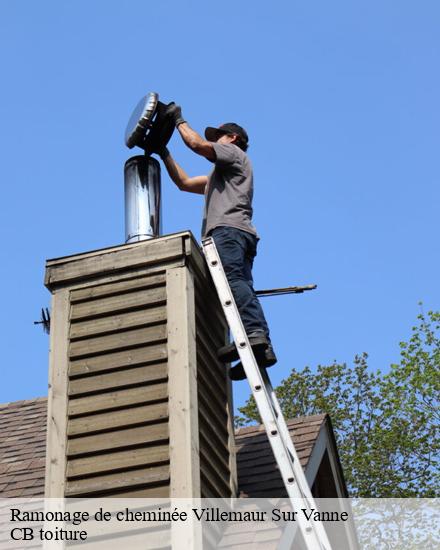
314, 534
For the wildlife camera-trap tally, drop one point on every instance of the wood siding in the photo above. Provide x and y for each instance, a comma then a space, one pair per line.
133, 364
213, 391
117, 430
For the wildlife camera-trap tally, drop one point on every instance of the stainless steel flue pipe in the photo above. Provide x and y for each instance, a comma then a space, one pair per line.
142, 199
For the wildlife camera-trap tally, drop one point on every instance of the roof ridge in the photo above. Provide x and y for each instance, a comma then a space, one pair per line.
22, 402
291, 421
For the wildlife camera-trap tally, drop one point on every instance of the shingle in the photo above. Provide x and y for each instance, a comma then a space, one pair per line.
22, 447
258, 474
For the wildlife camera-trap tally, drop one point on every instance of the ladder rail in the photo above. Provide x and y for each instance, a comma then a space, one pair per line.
268, 406
305, 489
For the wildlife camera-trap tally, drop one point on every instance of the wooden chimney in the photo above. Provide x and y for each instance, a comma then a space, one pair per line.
139, 406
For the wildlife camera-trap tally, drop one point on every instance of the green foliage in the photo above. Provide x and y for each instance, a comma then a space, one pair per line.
386, 424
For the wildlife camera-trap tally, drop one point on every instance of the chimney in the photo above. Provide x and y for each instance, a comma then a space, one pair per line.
142, 199
139, 405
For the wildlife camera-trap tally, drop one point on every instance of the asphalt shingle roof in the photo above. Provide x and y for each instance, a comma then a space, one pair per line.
23, 450
258, 474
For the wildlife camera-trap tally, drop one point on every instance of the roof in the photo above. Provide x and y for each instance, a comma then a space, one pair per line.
23, 450
257, 472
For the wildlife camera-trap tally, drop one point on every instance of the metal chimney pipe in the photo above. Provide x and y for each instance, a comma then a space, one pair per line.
142, 199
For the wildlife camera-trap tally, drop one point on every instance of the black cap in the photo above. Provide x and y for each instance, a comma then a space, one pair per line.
212, 134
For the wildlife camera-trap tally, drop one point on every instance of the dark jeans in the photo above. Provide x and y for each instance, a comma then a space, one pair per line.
237, 250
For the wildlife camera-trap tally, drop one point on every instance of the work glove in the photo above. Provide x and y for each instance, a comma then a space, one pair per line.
175, 111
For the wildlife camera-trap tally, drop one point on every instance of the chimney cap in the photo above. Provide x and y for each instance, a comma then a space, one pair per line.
141, 119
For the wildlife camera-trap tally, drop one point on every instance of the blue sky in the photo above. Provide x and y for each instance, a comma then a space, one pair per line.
341, 103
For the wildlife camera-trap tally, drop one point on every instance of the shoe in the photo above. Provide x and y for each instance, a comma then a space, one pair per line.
229, 353
237, 372
267, 360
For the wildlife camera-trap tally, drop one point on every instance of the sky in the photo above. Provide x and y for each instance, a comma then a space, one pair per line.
341, 103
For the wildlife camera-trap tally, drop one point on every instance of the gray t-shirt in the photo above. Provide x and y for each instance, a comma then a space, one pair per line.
229, 192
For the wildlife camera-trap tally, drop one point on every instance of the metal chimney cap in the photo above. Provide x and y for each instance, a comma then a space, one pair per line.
141, 119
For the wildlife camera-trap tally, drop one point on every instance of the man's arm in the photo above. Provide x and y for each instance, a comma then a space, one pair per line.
191, 138
181, 179
195, 142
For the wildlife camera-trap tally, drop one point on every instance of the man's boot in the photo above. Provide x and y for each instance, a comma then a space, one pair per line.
266, 360
257, 340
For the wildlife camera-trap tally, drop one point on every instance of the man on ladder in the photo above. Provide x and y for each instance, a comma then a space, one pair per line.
228, 191
229, 246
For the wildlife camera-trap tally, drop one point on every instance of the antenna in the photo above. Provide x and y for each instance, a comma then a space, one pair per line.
45, 320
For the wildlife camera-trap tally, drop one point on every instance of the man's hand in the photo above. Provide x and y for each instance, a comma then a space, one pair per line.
175, 111
163, 152
191, 138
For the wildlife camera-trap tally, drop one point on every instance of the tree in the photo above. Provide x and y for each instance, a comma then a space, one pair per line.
386, 424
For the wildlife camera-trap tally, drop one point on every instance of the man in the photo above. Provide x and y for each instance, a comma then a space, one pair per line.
228, 219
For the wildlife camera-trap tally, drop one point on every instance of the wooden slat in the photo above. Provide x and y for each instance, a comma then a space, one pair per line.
215, 321
105, 261
255, 540
97, 252
106, 482
209, 389
122, 531
205, 335
215, 402
210, 415
120, 340
219, 455
117, 419
119, 379
133, 272
213, 364
222, 473
109, 289
161, 491
117, 439
118, 360
209, 490
222, 487
140, 540
211, 314
212, 332
205, 288
211, 435
120, 321
210, 371
117, 399
121, 302
218, 489
117, 461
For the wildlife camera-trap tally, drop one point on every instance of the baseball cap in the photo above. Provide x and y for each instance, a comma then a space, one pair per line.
212, 134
